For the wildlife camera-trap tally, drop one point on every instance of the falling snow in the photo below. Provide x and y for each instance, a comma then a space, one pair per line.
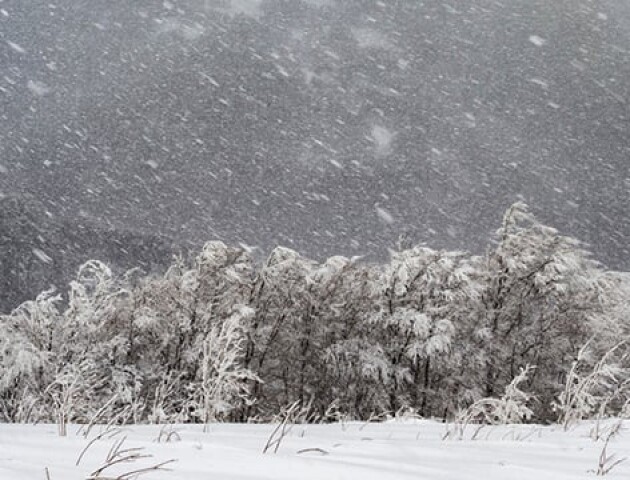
38, 88
382, 138
41, 255
16, 47
536, 40
384, 215
261, 122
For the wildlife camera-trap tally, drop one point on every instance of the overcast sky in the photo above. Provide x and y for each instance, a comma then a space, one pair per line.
327, 126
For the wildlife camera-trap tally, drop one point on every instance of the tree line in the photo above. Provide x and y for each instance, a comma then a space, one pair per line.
221, 337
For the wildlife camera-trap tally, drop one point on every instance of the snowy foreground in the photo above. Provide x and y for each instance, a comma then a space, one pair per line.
394, 450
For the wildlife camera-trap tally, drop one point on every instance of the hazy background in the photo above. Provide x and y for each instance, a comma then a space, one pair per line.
327, 126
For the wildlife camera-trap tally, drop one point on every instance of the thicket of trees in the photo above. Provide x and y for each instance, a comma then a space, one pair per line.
223, 338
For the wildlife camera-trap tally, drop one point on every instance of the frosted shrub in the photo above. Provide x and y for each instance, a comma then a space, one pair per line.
512, 407
587, 389
224, 379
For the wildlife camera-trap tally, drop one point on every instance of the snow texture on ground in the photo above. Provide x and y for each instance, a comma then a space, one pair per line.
392, 450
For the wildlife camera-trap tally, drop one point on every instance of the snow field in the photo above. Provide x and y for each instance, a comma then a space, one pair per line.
391, 450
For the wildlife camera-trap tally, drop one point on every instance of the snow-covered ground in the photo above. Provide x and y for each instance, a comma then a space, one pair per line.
392, 450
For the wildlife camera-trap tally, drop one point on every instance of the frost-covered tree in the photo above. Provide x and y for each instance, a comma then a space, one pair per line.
179, 315
43, 347
27, 355
349, 359
426, 296
223, 385
279, 346
538, 297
